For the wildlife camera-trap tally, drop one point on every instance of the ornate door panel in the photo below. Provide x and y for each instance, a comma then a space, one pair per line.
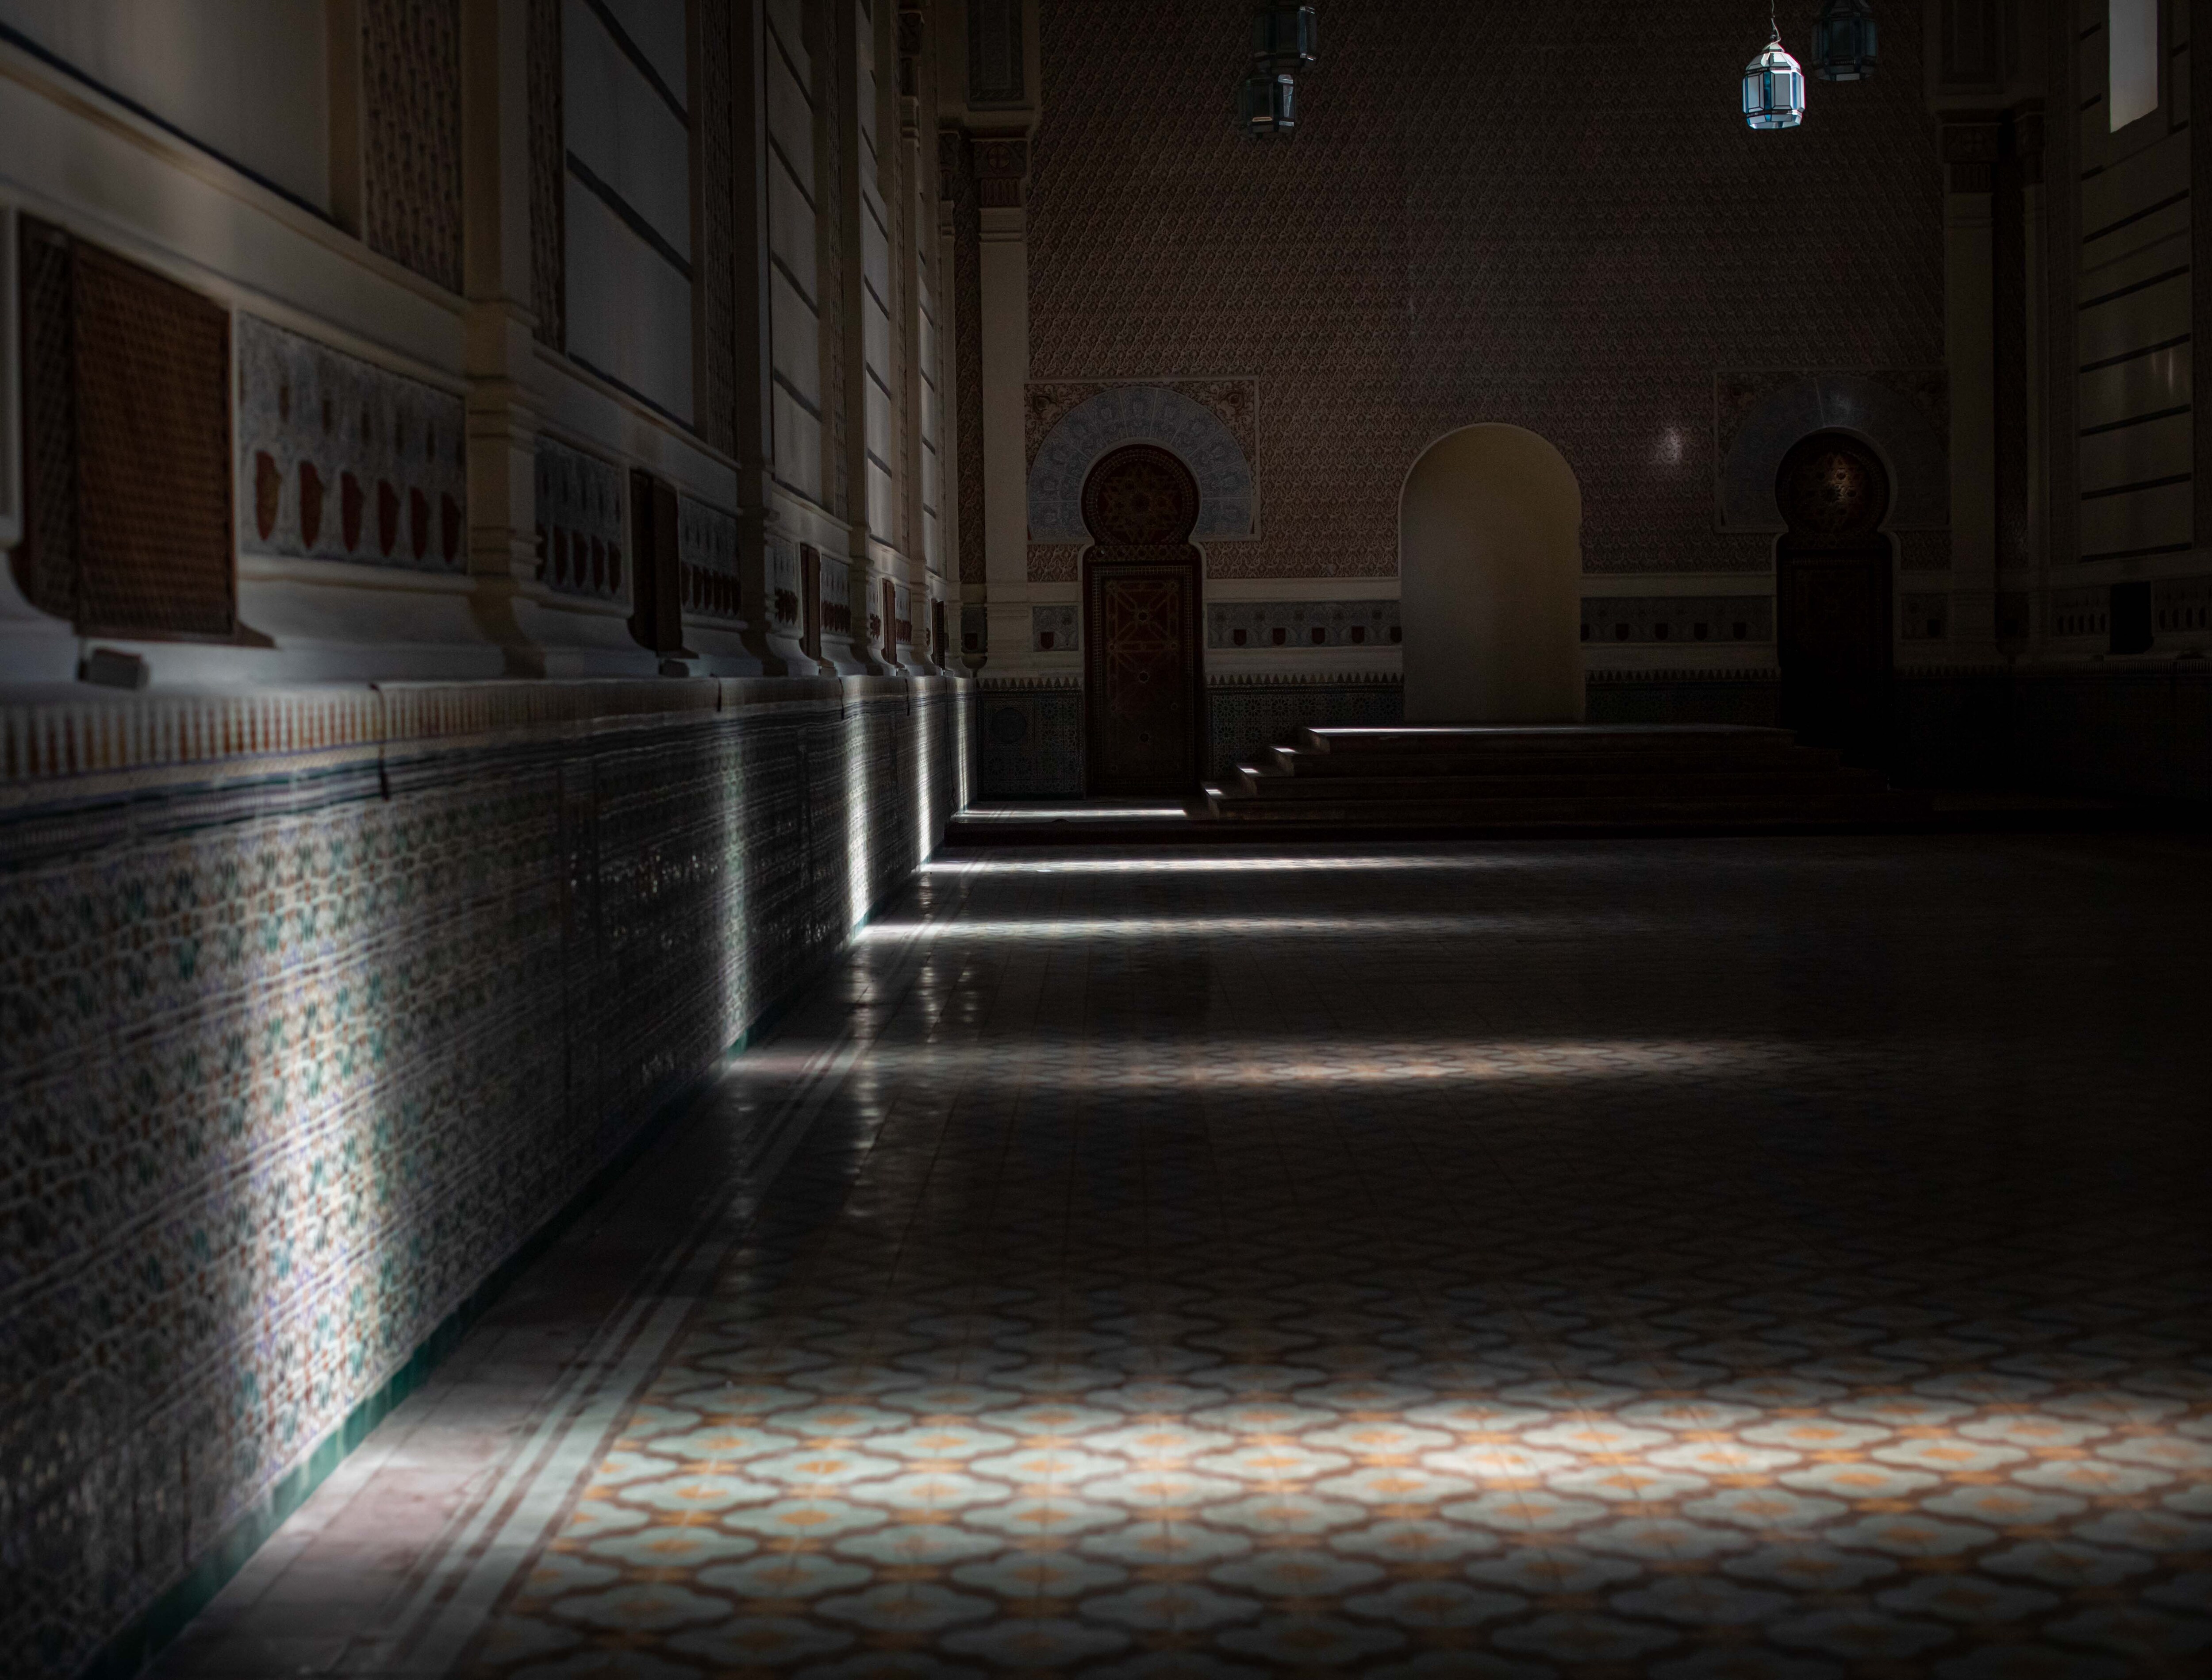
1833, 588
1141, 653
1144, 690
1834, 643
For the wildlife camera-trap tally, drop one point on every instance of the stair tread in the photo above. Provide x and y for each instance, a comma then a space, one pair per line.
1290, 785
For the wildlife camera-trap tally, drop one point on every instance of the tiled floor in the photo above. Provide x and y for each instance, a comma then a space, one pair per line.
1712, 1258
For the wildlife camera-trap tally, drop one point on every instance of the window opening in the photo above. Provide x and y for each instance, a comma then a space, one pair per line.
2131, 37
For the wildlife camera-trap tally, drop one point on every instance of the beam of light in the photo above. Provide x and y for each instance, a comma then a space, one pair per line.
1210, 864
1054, 813
1237, 926
925, 761
1226, 1065
859, 847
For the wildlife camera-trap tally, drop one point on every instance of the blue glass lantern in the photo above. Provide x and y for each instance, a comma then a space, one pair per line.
1773, 89
1843, 41
1266, 104
1283, 37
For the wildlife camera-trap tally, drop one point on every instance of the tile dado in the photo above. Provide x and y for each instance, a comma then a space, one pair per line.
1681, 619
1056, 629
295, 1057
1302, 623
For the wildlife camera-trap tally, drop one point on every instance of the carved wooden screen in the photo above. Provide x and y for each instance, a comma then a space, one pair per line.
1144, 689
126, 407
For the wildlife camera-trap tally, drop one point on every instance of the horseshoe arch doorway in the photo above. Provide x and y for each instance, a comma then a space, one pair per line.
1143, 685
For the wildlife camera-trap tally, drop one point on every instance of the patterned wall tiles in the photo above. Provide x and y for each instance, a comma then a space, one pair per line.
1923, 550
2080, 614
287, 1077
2181, 606
1302, 623
1055, 563
410, 76
1390, 277
579, 523
706, 552
1031, 740
1684, 696
1923, 617
1056, 629
1245, 719
340, 460
1209, 424
1684, 619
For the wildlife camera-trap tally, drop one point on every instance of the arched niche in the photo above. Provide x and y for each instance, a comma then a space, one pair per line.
1490, 569
1127, 414
1897, 429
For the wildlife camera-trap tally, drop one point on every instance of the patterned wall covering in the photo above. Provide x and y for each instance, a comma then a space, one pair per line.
1611, 619
1211, 424
1031, 743
1056, 629
836, 587
1906, 413
1553, 216
1923, 617
410, 75
290, 1068
1302, 623
1684, 696
339, 459
581, 539
707, 557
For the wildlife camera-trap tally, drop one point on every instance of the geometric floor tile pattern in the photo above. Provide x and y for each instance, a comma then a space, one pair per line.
1713, 1258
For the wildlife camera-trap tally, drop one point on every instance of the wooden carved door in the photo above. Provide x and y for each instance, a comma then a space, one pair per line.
1143, 688
1832, 597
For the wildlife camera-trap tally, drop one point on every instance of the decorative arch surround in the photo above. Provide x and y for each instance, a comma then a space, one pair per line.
1155, 414
1763, 416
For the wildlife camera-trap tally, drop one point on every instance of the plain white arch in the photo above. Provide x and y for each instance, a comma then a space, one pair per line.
1490, 559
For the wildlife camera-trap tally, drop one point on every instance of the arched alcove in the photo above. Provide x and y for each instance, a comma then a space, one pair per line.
1490, 568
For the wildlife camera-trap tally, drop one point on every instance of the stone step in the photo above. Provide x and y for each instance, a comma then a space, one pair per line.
1431, 738
1258, 782
1305, 762
1597, 811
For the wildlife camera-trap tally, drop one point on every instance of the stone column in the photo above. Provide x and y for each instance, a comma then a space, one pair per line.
950, 171
917, 119
1002, 163
775, 646
1970, 154
502, 422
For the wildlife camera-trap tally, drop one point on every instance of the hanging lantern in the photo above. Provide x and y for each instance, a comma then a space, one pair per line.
1773, 89
1283, 36
1267, 102
1843, 41
1282, 44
